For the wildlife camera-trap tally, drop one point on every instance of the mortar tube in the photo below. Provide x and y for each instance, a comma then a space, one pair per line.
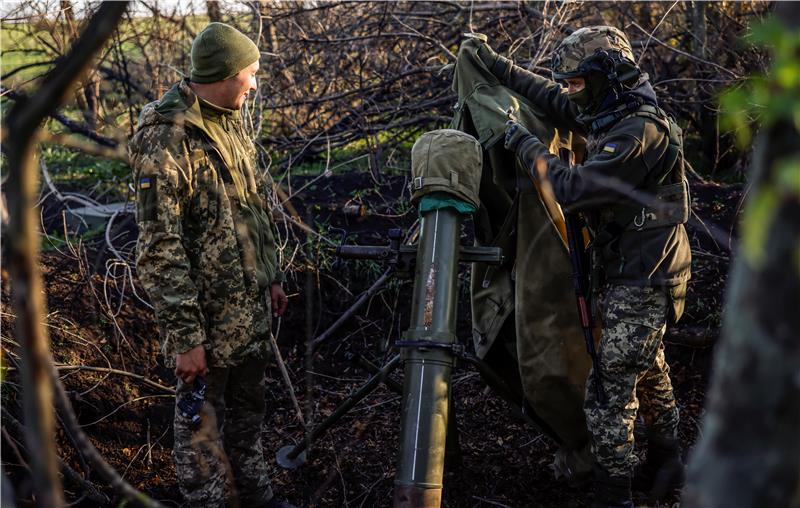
428, 362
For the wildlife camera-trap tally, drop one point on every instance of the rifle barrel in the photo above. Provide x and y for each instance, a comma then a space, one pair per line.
575, 244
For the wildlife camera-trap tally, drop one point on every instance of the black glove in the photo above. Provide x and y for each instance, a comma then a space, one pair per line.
499, 66
487, 55
515, 134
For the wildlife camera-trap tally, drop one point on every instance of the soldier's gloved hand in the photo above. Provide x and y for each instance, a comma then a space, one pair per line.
487, 55
516, 134
498, 65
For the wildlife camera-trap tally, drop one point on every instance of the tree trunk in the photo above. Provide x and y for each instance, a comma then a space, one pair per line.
706, 114
749, 453
213, 10
22, 125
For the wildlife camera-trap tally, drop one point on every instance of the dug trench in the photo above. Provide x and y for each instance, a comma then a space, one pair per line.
504, 462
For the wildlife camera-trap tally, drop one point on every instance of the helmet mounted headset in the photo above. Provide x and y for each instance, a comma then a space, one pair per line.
612, 57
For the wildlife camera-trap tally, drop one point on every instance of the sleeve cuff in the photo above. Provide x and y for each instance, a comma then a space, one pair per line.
186, 342
532, 146
502, 68
279, 278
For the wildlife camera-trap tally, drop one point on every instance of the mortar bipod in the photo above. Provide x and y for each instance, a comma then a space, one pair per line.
403, 260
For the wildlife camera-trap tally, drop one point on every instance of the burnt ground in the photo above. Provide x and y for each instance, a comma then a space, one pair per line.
504, 461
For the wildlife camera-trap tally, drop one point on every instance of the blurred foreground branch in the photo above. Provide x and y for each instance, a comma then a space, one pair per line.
22, 124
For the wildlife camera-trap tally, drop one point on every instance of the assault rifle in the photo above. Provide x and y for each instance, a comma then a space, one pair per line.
580, 282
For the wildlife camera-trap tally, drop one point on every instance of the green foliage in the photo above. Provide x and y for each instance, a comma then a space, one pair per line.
56, 240
41, 41
766, 99
763, 206
18, 49
72, 169
355, 155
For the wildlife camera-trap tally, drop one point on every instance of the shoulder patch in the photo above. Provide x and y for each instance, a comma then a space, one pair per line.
610, 147
147, 198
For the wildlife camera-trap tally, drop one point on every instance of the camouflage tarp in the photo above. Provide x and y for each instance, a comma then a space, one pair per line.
523, 311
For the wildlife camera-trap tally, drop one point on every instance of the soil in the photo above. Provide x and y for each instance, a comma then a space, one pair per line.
504, 462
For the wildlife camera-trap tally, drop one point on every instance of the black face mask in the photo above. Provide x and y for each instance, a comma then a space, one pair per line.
581, 99
593, 95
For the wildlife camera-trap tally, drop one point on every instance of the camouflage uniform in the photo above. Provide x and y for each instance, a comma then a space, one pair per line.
208, 465
634, 371
206, 257
632, 148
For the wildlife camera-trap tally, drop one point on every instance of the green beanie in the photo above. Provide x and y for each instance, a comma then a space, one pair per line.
219, 52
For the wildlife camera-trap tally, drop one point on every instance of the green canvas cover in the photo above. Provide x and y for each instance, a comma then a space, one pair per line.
439, 200
525, 310
446, 160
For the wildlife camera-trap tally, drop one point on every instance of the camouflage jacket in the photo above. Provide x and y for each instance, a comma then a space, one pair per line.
630, 152
196, 256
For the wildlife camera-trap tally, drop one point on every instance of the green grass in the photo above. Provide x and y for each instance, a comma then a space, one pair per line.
71, 165
339, 157
24, 43
74, 170
17, 48
56, 240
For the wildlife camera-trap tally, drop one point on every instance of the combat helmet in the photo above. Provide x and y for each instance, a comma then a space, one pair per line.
602, 49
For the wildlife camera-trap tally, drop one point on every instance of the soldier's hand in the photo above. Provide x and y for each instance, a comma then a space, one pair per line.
515, 134
486, 54
190, 364
279, 300
497, 64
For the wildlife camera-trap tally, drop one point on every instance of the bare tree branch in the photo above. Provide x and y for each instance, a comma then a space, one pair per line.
23, 123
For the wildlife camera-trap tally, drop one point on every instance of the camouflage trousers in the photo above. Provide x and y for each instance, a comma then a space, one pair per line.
635, 376
221, 463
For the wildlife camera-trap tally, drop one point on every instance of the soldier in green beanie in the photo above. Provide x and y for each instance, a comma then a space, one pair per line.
208, 260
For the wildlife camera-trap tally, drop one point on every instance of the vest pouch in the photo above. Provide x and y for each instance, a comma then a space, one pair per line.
671, 207
449, 161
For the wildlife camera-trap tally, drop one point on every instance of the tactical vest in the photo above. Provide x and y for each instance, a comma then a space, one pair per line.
663, 200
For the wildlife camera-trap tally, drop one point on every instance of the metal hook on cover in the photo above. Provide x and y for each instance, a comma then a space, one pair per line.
638, 221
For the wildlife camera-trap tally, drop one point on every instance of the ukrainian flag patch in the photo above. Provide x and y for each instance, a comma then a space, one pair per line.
145, 183
610, 148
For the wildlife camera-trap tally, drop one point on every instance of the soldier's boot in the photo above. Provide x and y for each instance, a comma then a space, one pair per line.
663, 470
611, 491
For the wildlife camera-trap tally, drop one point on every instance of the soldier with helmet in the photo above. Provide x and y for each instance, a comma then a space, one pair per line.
631, 189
